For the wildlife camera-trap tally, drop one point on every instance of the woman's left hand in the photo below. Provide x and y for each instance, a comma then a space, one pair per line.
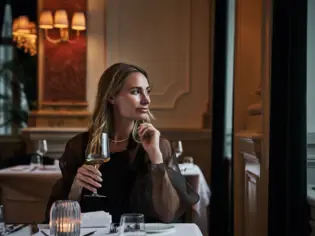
150, 139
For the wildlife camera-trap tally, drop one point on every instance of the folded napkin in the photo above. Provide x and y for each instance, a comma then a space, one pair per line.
95, 219
186, 166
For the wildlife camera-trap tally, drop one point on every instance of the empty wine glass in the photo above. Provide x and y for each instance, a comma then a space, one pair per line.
41, 147
132, 224
37, 158
96, 159
178, 148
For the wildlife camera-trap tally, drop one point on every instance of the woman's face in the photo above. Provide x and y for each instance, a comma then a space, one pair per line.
133, 101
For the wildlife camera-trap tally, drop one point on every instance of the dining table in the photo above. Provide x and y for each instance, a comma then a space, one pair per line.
180, 229
25, 191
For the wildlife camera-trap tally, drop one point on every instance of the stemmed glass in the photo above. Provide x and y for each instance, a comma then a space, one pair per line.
41, 149
97, 159
178, 148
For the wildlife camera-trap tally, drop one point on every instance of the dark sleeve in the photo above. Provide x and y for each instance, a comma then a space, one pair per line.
69, 162
163, 193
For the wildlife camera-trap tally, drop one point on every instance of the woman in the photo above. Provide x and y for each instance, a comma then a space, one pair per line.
142, 176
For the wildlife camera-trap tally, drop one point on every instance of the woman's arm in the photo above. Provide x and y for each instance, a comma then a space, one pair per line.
69, 162
164, 193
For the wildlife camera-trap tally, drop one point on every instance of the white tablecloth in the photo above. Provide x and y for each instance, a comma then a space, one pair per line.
196, 178
25, 189
180, 230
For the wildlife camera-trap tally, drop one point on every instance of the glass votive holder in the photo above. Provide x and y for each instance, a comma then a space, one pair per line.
65, 218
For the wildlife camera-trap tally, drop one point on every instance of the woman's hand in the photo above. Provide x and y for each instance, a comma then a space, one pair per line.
88, 177
150, 139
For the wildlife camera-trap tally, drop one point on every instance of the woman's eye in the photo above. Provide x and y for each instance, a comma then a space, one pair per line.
135, 92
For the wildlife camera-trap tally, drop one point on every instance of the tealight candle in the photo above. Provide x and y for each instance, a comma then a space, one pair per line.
65, 218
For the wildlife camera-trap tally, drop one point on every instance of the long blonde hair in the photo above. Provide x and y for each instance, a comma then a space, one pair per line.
109, 85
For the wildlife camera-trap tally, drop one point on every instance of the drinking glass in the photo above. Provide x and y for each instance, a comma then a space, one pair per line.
37, 158
42, 147
178, 148
2, 224
132, 224
96, 159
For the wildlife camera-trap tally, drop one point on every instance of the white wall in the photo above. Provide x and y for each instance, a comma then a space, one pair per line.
168, 38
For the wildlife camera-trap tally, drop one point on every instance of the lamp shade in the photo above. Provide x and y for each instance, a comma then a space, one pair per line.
78, 21
61, 19
23, 25
46, 20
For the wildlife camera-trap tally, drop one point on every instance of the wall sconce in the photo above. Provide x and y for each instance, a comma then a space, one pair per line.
60, 21
24, 34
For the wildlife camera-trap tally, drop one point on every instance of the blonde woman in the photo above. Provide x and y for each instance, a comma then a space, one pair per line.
142, 175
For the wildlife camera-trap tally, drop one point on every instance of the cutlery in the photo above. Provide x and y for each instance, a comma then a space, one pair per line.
17, 228
91, 233
44, 233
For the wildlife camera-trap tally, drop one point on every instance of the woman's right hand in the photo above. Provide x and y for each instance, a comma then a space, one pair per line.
88, 177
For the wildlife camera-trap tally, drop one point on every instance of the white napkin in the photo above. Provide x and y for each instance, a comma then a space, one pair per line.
186, 166
95, 219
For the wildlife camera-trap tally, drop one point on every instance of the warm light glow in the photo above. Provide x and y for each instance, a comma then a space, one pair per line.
61, 19
23, 25
15, 27
46, 20
78, 21
24, 34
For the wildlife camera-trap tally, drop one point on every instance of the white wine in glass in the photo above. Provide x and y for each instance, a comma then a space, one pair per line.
97, 159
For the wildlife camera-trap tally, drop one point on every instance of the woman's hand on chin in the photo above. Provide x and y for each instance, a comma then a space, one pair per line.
150, 139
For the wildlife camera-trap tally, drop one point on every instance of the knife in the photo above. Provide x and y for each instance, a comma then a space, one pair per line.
91, 233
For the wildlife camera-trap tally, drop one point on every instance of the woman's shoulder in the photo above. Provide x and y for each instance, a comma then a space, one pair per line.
79, 139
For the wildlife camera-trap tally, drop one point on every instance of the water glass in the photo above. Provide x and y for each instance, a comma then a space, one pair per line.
2, 224
132, 224
65, 218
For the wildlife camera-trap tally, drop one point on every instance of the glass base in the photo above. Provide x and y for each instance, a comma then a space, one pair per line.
95, 195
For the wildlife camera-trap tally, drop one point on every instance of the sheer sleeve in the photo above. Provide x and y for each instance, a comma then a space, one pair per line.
69, 162
163, 192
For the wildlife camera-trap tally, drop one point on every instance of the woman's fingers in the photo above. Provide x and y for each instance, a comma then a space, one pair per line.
89, 177
85, 185
90, 171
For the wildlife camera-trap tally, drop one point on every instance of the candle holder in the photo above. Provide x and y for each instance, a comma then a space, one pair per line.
65, 218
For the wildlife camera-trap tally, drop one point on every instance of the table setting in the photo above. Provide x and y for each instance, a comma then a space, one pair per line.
71, 222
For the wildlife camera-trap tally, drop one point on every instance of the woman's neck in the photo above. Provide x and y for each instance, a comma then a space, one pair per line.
122, 128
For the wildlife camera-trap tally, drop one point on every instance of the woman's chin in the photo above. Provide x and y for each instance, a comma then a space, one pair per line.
144, 117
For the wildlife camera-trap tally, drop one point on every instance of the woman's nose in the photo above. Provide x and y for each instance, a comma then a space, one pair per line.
145, 100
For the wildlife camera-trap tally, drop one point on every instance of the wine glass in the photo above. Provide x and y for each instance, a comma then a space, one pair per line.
97, 159
132, 224
178, 148
41, 149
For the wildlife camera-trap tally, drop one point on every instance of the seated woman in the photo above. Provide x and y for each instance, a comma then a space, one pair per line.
142, 175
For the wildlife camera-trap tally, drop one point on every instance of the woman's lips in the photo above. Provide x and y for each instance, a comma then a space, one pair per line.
143, 110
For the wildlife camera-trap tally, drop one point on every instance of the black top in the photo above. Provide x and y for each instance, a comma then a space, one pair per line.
119, 176
130, 182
